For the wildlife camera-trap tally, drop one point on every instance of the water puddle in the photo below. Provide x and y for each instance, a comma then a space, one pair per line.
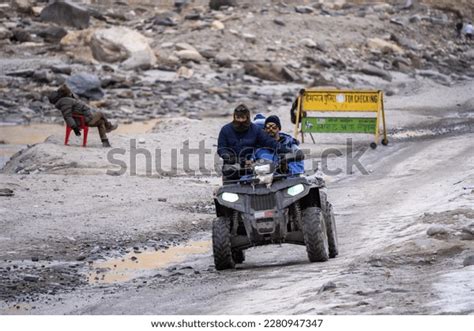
134, 265
15, 137
37, 133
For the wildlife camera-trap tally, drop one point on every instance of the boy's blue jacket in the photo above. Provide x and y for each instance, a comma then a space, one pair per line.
291, 144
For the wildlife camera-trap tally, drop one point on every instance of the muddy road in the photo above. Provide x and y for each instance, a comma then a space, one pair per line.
405, 230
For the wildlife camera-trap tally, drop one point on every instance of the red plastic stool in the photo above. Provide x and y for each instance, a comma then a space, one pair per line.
83, 126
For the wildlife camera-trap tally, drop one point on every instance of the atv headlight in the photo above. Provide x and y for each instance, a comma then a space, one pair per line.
229, 197
295, 190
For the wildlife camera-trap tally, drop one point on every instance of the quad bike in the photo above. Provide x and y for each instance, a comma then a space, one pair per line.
266, 207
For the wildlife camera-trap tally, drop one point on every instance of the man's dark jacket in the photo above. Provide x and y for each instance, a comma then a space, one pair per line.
69, 106
239, 146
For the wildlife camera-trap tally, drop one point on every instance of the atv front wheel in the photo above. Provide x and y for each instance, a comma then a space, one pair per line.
221, 244
315, 235
331, 231
238, 256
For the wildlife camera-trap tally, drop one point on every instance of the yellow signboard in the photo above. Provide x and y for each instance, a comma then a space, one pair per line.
351, 101
343, 101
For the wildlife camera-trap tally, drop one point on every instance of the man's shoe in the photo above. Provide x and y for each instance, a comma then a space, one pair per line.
105, 143
111, 128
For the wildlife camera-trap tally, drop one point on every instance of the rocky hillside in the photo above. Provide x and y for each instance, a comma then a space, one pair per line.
138, 61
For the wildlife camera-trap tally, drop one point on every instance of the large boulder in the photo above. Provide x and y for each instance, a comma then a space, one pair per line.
374, 71
66, 13
120, 44
85, 85
272, 72
384, 46
24, 6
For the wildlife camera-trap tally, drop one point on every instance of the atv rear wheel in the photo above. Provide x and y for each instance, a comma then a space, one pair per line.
331, 231
221, 244
315, 235
238, 256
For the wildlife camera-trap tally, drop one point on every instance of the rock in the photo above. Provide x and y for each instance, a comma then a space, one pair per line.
23, 6
66, 13
468, 261
383, 46
185, 47
184, 72
326, 287
310, 43
391, 92
436, 230
31, 278
180, 4
52, 34
382, 7
43, 76
469, 229
35, 259
402, 65
165, 19
405, 42
435, 75
408, 4
290, 75
5, 33
374, 71
217, 25
278, 21
217, 4
61, 69
414, 19
272, 72
467, 232
249, 38
21, 35
121, 44
334, 4
6, 192
224, 59
193, 16
263, 71
304, 9
321, 80
399, 21
189, 55
85, 85
469, 54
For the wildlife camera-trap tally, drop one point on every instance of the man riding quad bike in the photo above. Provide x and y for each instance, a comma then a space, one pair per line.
268, 206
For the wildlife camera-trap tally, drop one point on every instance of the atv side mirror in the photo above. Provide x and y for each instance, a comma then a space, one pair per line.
293, 157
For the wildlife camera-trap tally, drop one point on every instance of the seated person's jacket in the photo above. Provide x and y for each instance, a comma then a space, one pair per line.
70, 106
